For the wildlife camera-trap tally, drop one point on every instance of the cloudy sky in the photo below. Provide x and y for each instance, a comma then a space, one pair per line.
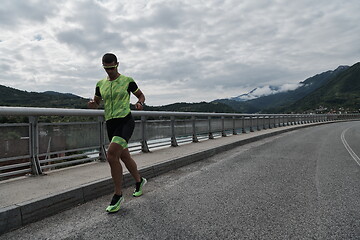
177, 51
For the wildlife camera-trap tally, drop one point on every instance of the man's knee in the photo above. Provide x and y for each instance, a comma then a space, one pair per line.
112, 156
125, 156
114, 152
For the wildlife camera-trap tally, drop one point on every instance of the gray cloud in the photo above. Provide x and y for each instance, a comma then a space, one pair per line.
179, 50
15, 12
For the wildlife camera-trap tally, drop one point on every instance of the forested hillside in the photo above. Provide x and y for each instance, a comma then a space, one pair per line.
14, 97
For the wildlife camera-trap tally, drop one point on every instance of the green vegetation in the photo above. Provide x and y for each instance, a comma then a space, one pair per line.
340, 93
331, 91
17, 98
195, 107
13, 97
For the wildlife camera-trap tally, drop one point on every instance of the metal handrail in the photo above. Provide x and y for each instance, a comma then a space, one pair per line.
218, 124
34, 111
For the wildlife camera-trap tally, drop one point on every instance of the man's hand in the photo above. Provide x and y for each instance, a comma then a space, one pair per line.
141, 99
139, 106
92, 104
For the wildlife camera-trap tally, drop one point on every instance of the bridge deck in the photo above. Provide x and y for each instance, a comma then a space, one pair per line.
28, 199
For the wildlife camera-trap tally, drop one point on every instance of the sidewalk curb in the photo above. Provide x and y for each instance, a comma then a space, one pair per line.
16, 216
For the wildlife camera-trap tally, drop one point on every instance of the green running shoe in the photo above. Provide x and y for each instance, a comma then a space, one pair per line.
115, 204
138, 190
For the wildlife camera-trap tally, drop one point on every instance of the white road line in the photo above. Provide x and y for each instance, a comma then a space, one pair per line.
352, 153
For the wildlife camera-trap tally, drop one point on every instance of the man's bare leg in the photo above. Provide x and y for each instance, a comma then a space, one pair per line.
113, 158
132, 167
130, 164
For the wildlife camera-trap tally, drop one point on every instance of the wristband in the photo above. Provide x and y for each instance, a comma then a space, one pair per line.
142, 104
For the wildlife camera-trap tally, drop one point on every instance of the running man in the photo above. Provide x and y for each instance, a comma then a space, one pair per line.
115, 90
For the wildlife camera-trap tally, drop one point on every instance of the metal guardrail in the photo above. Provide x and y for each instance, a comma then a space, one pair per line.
35, 147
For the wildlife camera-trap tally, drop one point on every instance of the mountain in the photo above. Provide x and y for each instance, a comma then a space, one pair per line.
194, 107
340, 93
271, 103
50, 99
14, 97
57, 94
339, 89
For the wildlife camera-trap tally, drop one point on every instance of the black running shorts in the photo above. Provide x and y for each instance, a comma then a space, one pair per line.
120, 130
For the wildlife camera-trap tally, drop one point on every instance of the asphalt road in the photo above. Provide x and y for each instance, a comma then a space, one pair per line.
299, 185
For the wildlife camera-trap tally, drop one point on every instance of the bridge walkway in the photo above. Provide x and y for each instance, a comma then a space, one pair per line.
28, 199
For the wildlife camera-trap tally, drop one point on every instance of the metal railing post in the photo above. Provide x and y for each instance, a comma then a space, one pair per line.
173, 135
270, 122
243, 125
264, 123
223, 134
251, 124
211, 136
194, 137
234, 125
102, 150
34, 146
144, 145
257, 124
287, 120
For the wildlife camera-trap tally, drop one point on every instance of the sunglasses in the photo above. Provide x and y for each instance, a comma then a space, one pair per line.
110, 67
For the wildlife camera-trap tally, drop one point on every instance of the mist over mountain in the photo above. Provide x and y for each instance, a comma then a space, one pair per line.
256, 93
282, 99
310, 83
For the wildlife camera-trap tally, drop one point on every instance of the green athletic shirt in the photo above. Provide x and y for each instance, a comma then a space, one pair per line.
116, 95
